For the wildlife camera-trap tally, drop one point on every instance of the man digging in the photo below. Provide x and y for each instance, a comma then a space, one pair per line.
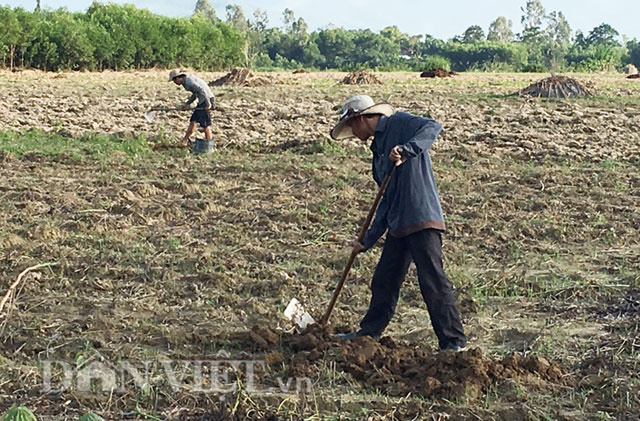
200, 90
410, 211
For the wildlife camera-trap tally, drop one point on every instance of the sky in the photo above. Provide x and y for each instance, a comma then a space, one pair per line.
441, 19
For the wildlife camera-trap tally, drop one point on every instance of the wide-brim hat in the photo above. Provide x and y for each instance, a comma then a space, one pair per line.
176, 73
355, 106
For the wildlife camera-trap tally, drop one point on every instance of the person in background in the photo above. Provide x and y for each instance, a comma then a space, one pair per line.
202, 113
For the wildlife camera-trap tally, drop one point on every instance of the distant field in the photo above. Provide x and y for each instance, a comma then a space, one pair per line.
156, 255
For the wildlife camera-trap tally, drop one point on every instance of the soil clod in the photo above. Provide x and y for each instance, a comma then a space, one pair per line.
398, 368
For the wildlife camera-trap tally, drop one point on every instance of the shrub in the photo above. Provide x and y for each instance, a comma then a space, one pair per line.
435, 61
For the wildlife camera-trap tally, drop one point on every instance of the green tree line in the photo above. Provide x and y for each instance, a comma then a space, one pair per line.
109, 36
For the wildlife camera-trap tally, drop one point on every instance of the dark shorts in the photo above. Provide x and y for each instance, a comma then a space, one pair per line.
203, 117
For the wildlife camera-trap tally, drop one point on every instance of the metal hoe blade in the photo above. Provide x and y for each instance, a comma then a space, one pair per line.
149, 115
297, 314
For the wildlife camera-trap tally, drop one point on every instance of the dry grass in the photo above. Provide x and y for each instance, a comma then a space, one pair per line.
163, 255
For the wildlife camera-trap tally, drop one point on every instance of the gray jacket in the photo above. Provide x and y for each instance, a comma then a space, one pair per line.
199, 89
411, 202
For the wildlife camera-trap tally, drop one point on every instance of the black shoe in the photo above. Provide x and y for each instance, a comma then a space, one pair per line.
352, 335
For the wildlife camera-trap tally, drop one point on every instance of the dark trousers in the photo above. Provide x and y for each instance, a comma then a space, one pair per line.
425, 249
202, 117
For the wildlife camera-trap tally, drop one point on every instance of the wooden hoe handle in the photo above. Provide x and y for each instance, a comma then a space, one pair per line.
363, 230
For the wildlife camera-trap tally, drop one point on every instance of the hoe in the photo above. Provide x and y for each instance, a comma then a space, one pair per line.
295, 311
150, 113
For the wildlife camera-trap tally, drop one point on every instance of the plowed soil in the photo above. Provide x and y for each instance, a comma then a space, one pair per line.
161, 259
399, 369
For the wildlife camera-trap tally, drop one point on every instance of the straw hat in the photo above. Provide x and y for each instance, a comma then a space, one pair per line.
176, 73
355, 106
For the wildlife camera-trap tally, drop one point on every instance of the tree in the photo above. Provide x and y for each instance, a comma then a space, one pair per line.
11, 37
533, 14
559, 39
536, 37
336, 45
235, 16
482, 55
119, 23
75, 51
290, 48
500, 30
256, 34
116, 37
29, 23
580, 40
408, 44
373, 50
558, 28
260, 20
598, 51
101, 39
288, 18
603, 34
300, 28
204, 7
296, 28
473, 34
531, 20
633, 47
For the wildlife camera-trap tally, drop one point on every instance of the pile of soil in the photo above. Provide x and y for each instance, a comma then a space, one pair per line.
556, 87
437, 72
240, 77
636, 76
295, 72
397, 369
361, 77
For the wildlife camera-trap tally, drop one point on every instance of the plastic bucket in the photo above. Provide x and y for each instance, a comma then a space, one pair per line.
202, 146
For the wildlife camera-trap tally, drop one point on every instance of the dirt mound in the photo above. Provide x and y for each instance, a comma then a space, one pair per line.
437, 72
556, 87
636, 76
295, 72
398, 368
361, 77
240, 77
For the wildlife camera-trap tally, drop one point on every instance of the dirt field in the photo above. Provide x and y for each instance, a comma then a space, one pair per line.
168, 273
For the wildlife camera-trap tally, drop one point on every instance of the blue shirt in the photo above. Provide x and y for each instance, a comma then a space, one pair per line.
411, 202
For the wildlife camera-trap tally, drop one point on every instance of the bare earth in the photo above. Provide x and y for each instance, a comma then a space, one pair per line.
166, 259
